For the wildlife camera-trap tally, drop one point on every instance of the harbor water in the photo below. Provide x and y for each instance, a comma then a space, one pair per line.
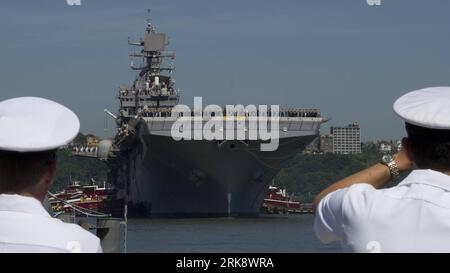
279, 234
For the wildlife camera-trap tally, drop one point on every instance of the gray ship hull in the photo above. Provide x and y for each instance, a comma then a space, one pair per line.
199, 178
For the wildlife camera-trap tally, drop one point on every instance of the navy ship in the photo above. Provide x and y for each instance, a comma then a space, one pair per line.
160, 176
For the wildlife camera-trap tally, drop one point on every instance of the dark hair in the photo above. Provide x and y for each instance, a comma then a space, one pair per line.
430, 147
19, 171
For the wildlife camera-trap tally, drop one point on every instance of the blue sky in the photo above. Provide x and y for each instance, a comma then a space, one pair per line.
345, 57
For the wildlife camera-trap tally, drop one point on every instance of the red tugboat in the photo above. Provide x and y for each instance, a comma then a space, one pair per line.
277, 201
91, 197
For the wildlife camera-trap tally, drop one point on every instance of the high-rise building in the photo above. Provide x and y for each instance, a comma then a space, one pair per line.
347, 139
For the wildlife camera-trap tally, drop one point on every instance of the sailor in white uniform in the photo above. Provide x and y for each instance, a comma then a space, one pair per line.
413, 216
31, 130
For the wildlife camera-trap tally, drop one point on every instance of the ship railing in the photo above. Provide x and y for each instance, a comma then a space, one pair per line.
167, 112
130, 96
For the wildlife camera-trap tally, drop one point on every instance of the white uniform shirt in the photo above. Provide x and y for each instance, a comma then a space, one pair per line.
414, 216
25, 226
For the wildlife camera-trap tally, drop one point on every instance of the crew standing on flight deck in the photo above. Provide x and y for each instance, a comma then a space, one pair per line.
31, 130
413, 216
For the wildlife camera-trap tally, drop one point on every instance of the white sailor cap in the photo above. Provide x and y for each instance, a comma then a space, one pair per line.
429, 107
31, 124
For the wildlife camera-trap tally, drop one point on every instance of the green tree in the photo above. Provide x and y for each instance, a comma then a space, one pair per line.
77, 168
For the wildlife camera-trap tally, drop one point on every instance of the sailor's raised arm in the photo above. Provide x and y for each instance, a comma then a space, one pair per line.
377, 175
